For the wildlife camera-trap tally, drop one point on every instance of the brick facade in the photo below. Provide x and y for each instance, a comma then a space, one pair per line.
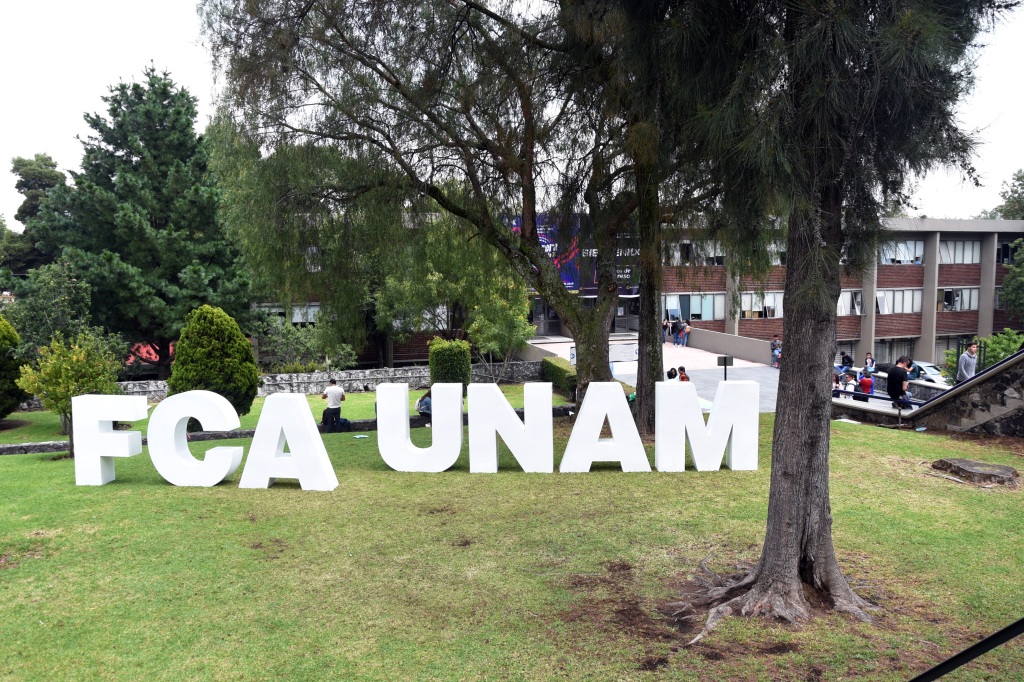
900, 277
710, 325
705, 279
775, 281
848, 328
761, 329
960, 275
960, 322
898, 325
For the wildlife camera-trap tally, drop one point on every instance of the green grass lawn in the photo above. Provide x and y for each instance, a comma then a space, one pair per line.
33, 427
508, 576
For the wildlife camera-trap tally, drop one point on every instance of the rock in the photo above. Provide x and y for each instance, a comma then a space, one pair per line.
1010, 393
978, 472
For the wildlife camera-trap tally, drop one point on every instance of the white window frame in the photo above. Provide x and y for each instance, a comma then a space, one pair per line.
899, 301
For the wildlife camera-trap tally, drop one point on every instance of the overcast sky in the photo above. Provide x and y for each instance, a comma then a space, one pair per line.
60, 56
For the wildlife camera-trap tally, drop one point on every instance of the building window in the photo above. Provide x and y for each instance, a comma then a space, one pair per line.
902, 252
707, 306
777, 254
959, 252
850, 303
895, 301
999, 298
959, 298
1006, 252
890, 350
756, 306
701, 306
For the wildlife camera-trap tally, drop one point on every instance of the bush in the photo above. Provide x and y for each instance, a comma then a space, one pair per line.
10, 395
561, 374
213, 355
67, 369
450, 362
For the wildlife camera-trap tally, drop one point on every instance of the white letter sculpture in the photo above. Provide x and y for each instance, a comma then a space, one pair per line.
168, 442
396, 448
96, 442
530, 440
731, 429
286, 418
604, 399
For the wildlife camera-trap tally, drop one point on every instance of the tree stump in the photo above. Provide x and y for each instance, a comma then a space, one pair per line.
978, 472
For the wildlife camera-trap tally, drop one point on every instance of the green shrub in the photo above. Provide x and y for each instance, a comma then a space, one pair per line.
450, 362
561, 374
10, 394
67, 369
213, 355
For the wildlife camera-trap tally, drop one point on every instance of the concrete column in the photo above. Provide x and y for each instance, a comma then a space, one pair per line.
925, 349
732, 313
866, 342
987, 292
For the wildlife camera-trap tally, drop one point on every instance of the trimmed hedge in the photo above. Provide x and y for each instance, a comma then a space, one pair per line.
10, 394
450, 362
561, 374
214, 355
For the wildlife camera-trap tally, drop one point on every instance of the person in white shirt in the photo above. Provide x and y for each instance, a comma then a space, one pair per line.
333, 394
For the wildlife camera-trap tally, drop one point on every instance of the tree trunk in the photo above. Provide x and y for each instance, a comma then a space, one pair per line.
164, 358
590, 332
69, 428
649, 366
798, 546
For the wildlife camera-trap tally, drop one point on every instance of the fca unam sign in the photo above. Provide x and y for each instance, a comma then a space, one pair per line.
730, 434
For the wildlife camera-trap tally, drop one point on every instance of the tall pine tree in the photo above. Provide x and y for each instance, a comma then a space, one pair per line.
140, 222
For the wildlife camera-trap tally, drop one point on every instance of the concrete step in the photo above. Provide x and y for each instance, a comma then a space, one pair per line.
966, 423
1014, 403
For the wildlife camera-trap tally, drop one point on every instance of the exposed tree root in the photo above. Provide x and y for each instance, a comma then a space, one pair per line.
783, 600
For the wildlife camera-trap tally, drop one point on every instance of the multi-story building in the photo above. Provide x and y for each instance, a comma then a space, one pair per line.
935, 281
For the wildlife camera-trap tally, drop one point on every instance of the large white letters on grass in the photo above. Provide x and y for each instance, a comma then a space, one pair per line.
168, 442
529, 440
604, 399
286, 419
730, 433
96, 441
731, 429
396, 448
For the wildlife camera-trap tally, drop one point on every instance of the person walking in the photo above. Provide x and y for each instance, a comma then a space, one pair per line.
968, 363
334, 395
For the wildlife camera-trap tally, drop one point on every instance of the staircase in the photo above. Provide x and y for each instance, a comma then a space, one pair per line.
991, 402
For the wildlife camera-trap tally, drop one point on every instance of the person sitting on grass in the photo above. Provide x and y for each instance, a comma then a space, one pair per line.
423, 407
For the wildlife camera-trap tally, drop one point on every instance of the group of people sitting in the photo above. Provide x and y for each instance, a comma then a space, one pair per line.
848, 379
679, 374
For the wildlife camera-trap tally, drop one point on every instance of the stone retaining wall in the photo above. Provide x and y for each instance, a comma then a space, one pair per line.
352, 380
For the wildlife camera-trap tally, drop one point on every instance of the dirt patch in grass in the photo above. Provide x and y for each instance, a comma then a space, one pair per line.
272, 549
1014, 445
610, 603
433, 511
12, 560
7, 424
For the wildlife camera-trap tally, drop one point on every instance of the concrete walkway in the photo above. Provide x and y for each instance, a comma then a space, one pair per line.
701, 366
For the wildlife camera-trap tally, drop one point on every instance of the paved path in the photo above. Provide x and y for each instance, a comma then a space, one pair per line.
701, 366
